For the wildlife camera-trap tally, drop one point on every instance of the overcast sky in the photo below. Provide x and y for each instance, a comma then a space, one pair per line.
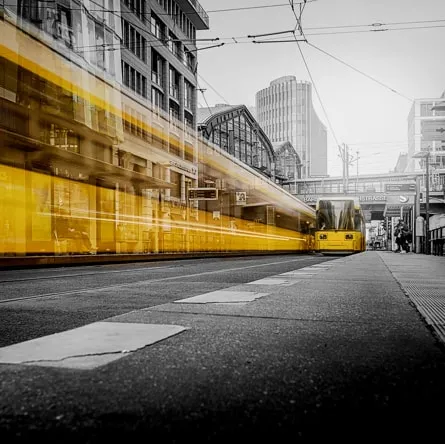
365, 115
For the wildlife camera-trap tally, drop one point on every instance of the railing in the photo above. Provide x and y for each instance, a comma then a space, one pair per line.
200, 10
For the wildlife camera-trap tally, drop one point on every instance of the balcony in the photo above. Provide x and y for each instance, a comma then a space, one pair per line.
195, 13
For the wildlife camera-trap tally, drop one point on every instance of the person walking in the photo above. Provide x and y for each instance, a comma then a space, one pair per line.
402, 234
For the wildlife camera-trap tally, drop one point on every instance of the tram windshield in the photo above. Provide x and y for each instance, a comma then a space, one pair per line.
336, 215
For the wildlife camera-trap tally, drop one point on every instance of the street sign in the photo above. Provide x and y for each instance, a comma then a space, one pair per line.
203, 194
401, 199
400, 187
241, 197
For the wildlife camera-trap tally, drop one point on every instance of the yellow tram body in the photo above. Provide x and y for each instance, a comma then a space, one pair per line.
340, 226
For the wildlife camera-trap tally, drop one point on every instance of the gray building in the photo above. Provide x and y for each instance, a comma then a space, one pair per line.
159, 55
426, 126
285, 112
233, 128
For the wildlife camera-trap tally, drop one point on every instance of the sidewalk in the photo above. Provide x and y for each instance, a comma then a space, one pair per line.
422, 278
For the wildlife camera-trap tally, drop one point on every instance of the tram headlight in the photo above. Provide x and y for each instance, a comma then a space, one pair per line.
349, 236
323, 236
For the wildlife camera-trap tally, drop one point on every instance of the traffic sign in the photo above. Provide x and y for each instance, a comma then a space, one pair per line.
241, 197
206, 193
400, 187
401, 199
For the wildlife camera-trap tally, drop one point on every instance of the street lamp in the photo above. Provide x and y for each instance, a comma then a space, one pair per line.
426, 155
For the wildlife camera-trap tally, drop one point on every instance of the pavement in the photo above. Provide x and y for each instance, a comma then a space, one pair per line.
351, 348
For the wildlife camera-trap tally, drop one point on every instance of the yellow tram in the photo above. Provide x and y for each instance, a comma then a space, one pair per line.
340, 226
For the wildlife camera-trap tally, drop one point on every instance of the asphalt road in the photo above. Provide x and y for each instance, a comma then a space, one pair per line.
38, 302
341, 356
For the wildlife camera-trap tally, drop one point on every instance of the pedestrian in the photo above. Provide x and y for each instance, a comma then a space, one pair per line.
398, 238
402, 234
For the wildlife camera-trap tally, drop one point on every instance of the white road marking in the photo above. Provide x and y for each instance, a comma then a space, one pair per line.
297, 273
272, 281
87, 347
222, 296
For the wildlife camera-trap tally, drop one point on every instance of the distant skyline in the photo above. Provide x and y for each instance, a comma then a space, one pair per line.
369, 117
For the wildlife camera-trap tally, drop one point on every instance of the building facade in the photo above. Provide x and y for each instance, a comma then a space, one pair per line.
287, 165
285, 112
92, 134
426, 129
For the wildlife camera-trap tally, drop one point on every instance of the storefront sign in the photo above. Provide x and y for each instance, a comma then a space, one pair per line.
373, 198
203, 194
368, 198
179, 166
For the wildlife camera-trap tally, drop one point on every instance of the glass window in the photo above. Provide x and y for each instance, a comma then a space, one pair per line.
175, 178
157, 64
174, 146
188, 95
425, 109
100, 50
110, 54
174, 83
157, 98
157, 27
335, 215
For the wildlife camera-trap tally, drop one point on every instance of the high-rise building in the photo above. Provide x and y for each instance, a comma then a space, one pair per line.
426, 126
285, 112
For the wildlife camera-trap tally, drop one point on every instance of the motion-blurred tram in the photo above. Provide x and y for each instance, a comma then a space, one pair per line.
340, 226
87, 166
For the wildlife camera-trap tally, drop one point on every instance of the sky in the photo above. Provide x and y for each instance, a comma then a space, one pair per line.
369, 117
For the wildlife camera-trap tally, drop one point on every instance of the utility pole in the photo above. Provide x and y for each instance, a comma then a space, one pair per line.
427, 204
356, 182
344, 155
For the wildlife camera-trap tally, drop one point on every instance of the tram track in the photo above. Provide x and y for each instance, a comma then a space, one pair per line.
64, 276
140, 282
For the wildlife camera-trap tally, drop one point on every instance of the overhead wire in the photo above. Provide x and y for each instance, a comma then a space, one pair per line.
412, 28
316, 89
256, 7
377, 24
194, 13
201, 90
360, 72
217, 93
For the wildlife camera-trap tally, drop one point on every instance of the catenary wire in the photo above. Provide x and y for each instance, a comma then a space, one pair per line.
202, 78
201, 90
360, 72
316, 91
